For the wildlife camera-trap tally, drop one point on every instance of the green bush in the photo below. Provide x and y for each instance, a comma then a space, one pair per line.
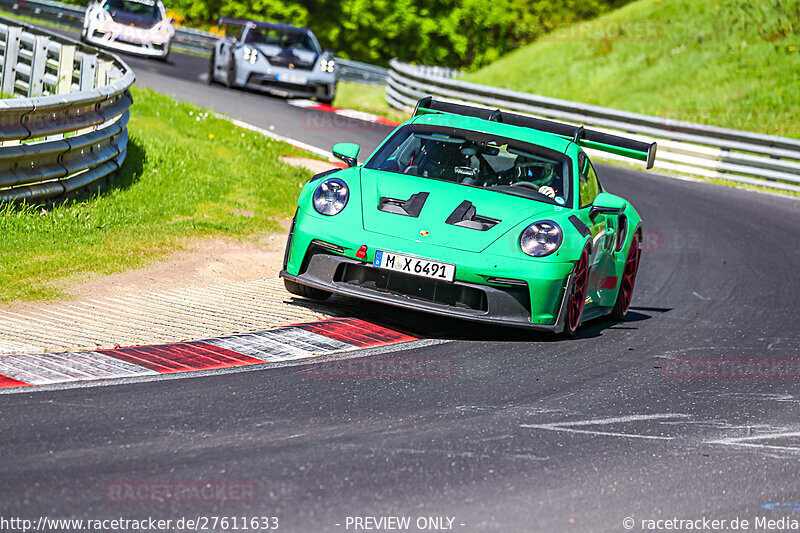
463, 34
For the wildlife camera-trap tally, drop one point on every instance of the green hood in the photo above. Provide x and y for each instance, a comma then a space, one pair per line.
443, 199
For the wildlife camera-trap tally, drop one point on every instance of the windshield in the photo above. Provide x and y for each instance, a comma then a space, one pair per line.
284, 38
477, 160
143, 8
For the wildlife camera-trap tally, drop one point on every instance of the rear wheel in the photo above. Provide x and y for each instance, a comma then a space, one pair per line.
577, 296
625, 294
305, 291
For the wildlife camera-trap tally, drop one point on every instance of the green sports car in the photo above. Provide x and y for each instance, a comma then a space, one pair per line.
472, 213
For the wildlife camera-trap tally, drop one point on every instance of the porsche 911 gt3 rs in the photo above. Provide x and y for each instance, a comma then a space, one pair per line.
275, 58
138, 27
472, 213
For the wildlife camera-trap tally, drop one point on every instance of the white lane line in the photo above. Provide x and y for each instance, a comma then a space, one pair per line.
570, 426
748, 441
294, 142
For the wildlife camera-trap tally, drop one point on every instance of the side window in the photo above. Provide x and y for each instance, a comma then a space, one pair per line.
589, 185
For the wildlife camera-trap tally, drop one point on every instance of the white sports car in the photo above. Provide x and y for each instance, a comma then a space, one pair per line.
135, 26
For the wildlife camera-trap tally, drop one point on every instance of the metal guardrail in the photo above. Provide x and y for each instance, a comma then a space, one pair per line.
363, 73
186, 39
683, 147
63, 114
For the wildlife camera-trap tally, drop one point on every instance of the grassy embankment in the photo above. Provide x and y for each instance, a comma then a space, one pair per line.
187, 175
730, 63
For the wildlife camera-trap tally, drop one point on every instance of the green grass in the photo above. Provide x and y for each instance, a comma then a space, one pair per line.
367, 98
187, 175
731, 63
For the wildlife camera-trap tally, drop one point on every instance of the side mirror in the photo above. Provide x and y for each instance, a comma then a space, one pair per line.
607, 204
347, 152
329, 52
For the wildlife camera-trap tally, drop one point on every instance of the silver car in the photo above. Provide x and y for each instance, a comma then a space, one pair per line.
276, 58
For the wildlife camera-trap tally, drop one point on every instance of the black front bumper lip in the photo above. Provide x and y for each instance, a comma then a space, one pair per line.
320, 275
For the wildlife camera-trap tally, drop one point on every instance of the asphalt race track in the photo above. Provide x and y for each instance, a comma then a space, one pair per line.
527, 433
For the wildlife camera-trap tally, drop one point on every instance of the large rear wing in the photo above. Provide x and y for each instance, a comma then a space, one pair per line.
229, 21
596, 140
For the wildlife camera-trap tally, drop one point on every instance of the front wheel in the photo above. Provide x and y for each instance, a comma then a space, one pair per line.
211, 67
230, 74
328, 98
577, 296
305, 291
625, 294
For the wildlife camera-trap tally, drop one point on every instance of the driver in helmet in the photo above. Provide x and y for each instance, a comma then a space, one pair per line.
541, 175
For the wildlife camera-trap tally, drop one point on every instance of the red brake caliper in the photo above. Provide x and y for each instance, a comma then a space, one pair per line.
578, 292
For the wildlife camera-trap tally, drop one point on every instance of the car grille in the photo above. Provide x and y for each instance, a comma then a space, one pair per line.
284, 61
415, 287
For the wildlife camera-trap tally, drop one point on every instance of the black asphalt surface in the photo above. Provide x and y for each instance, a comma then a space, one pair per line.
487, 443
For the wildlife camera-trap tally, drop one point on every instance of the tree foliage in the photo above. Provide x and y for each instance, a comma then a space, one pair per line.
455, 33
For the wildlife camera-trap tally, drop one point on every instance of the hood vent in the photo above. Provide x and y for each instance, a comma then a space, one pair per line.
410, 208
465, 216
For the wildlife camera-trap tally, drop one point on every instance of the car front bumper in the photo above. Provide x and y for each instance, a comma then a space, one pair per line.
510, 292
285, 81
158, 50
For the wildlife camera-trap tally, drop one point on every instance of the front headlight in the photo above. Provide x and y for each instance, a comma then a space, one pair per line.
331, 196
249, 54
326, 65
541, 238
100, 15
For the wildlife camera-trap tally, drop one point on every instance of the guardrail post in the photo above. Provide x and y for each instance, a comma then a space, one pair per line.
66, 64
10, 60
101, 77
88, 72
38, 64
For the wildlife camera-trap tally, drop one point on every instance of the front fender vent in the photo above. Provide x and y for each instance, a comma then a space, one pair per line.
465, 215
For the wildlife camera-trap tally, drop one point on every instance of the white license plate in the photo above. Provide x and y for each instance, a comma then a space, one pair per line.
414, 265
292, 78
